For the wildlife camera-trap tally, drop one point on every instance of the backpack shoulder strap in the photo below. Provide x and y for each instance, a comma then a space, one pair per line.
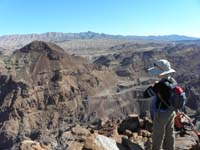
169, 82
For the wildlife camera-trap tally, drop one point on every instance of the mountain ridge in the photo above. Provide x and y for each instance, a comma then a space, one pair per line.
92, 35
9, 43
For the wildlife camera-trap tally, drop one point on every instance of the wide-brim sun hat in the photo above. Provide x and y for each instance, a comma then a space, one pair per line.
161, 67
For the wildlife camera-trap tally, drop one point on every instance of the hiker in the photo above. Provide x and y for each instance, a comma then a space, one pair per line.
161, 111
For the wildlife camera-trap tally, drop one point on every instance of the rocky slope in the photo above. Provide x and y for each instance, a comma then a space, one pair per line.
133, 133
42, 91
52, 100
45, 91
133, 64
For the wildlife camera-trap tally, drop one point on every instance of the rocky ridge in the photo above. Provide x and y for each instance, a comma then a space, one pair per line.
42, 91
133, 133
47, 95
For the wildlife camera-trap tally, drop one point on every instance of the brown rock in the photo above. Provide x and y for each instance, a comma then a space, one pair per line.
190, 141
107, 129
75, 146
67, 137
116, 136
80, 131
77, 134
32, 145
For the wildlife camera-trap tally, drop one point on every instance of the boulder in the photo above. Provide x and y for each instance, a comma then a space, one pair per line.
189, 141
131, 123
100, 142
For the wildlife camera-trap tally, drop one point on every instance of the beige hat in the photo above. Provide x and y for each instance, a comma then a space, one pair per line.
161, 67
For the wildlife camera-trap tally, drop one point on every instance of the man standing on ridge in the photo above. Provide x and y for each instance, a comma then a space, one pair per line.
162, 114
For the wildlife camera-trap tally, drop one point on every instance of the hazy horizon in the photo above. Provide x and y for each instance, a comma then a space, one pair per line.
94, 32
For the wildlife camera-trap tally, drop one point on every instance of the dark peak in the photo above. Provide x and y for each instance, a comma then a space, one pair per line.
42, 46
53, 51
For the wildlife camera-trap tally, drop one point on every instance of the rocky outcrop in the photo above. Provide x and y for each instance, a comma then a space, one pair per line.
108, 137
43, 92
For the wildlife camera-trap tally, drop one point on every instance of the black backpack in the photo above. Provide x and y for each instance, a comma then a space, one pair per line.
176, 98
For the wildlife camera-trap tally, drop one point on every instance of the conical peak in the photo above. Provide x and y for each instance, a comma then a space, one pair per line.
41, 46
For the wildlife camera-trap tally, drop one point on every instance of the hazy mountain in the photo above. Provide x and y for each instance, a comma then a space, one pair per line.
18, 41
59, 36
197, 42
164, 38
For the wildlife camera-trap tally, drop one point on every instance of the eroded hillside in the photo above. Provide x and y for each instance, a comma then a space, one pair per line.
43, 89
134, 64
46, 92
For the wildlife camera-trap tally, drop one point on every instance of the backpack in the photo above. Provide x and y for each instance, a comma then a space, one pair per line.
177, 98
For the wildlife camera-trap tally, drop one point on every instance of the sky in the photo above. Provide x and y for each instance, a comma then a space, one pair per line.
125, 17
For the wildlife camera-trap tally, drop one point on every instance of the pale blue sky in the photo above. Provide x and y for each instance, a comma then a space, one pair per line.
126, 17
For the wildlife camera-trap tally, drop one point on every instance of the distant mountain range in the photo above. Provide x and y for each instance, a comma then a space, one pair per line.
59, 36
164, 38
19, 40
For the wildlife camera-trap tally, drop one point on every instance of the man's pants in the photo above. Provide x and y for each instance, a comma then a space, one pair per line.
163, 131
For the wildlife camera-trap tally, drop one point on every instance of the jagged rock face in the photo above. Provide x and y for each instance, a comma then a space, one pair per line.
44, 92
